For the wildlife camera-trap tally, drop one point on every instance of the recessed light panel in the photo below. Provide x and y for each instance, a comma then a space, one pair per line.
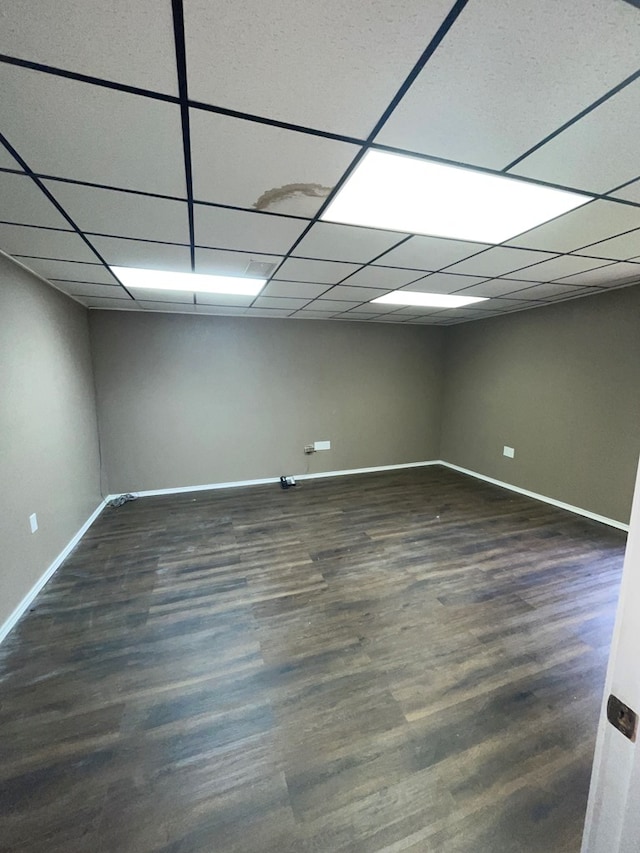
430, 300
134, 277
416, 196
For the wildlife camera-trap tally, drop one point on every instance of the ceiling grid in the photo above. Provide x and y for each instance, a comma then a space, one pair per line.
201, 139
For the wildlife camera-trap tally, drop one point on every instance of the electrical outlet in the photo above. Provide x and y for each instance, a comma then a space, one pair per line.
33, 521
309, 448
508, 451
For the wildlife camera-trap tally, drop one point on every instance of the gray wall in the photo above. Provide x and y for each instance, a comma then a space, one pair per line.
48, 436
186, 400
561, 385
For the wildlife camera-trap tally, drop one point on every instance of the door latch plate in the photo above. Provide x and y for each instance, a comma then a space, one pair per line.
622, 717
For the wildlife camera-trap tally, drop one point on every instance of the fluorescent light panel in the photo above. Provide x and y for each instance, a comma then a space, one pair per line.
134, 277
430, 300
401, 193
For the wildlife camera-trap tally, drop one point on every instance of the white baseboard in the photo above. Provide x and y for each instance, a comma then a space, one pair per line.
266, 480
206, 487
270, 480
575, 509
365, 470
10, 623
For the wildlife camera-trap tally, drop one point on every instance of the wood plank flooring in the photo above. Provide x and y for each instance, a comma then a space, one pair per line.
403, 661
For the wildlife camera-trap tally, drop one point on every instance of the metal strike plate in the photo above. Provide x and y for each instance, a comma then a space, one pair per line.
622, 717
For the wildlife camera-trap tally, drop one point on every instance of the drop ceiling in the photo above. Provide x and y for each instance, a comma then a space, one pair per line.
194, 135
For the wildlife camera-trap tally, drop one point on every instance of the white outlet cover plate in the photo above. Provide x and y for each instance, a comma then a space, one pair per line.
322, 445
508, 451
33, 521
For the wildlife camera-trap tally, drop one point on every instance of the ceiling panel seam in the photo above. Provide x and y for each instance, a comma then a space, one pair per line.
57, 205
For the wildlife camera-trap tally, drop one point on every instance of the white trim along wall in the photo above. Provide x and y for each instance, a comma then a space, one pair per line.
24, 605
33, 592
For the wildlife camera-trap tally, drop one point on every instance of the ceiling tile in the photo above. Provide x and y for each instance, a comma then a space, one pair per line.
384, 278
595, 221
495, 287
484, 315
88, 133
282, 303
142, 294
430, 253
419, 310
461, 314
611, 274
361, 314
329, 65
557, 268
131, 43
489, 306
247, 164
165, 307
267, 312
114, 303
44, 243
499, 261
347, 318
355, 294
631, 192
123, 214
7, 161
219, 262
484, 97
319, 272
468, 100
85, 289
581, 155
307, 314
21, 200
300, 289
618, 248
508, 304
346, 242
229, 299
378, 308
139, 253
219, 228
68, 270
337, 306
390, 318
550, 291
220, 310
443, 282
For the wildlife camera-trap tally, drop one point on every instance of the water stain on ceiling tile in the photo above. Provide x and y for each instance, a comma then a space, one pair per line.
295, 199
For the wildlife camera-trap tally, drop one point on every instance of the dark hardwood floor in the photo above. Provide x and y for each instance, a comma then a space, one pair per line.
404, 661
